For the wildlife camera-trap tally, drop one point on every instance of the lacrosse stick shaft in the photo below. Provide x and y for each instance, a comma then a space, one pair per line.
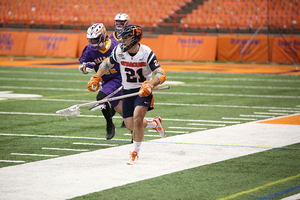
98, 106
113, 93
120, 97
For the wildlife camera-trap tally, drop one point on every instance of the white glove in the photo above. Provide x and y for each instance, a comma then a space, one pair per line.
86, 68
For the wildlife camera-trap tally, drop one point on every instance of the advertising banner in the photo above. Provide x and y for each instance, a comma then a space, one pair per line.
230, 48
51, 44
284, 48
12, 42
183, 47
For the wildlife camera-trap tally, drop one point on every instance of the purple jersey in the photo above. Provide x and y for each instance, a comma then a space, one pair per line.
114, 37
90, 55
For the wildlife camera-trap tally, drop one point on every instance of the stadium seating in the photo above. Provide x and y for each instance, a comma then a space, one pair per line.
84, 12
244, 14
212, 14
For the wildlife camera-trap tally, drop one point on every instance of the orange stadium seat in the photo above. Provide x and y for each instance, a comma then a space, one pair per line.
71, 11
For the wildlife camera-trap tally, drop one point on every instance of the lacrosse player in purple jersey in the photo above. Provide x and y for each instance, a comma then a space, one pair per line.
121, 20
137, 63
99, 49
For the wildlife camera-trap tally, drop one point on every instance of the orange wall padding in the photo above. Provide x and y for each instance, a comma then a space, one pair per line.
282, 53
166, 47
51, 44
184, 47
12, 42
81, 43
230, 47
156, 44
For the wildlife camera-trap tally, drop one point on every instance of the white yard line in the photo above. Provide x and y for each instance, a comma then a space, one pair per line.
178, 132
63, 149
291, 111
187, 128
195, 124
268, 113
166, 119
99, 170
41, 80
28, 154
95, 144
128, 134
243, 87
229, 118
263, 116
166, 93
169, 77
13, 161
231, 95
183, 84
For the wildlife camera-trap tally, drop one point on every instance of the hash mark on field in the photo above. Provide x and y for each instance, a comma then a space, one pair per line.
63, 149
187, 128
195, 124
170, 131
111, 145
144, 135
26, 154
238, 118
291, 111
266, 113
264, 116
13, 161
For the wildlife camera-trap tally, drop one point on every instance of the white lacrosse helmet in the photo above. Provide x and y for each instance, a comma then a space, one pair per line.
121, 20
96, 35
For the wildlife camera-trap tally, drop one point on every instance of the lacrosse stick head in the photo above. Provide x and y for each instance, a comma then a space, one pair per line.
72, 111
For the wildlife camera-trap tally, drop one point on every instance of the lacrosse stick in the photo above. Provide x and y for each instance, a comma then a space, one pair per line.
73, 111
102, 106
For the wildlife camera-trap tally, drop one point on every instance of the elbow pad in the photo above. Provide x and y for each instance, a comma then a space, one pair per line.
104, 65
161, 74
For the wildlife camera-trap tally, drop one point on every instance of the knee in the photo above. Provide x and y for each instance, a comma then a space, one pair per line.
138, 121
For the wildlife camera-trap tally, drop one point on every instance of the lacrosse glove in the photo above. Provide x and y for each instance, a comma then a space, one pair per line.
146, 89
93, 84
86, 68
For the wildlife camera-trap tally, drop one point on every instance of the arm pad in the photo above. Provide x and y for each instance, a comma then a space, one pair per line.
105, 66
161, 74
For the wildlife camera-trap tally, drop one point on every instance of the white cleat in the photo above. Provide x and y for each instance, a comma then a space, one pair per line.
159, 128
133, 158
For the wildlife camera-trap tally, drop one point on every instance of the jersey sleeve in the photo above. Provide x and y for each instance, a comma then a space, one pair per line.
152, 61
85, 56
113, 57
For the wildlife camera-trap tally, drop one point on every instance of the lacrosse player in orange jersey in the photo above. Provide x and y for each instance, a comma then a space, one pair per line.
137, 63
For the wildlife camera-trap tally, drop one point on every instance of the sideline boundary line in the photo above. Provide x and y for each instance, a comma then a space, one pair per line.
279, 193
149, 141
260, 187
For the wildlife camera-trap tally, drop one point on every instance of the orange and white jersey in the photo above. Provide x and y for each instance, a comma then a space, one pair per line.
135, 69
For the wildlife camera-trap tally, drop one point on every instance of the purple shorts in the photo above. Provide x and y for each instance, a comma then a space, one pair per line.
109, 87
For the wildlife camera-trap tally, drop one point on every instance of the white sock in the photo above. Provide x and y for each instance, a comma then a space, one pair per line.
137, 146
151, 124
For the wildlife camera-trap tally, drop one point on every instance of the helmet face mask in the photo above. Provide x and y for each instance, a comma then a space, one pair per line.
131, 35
96, 35
121, 20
